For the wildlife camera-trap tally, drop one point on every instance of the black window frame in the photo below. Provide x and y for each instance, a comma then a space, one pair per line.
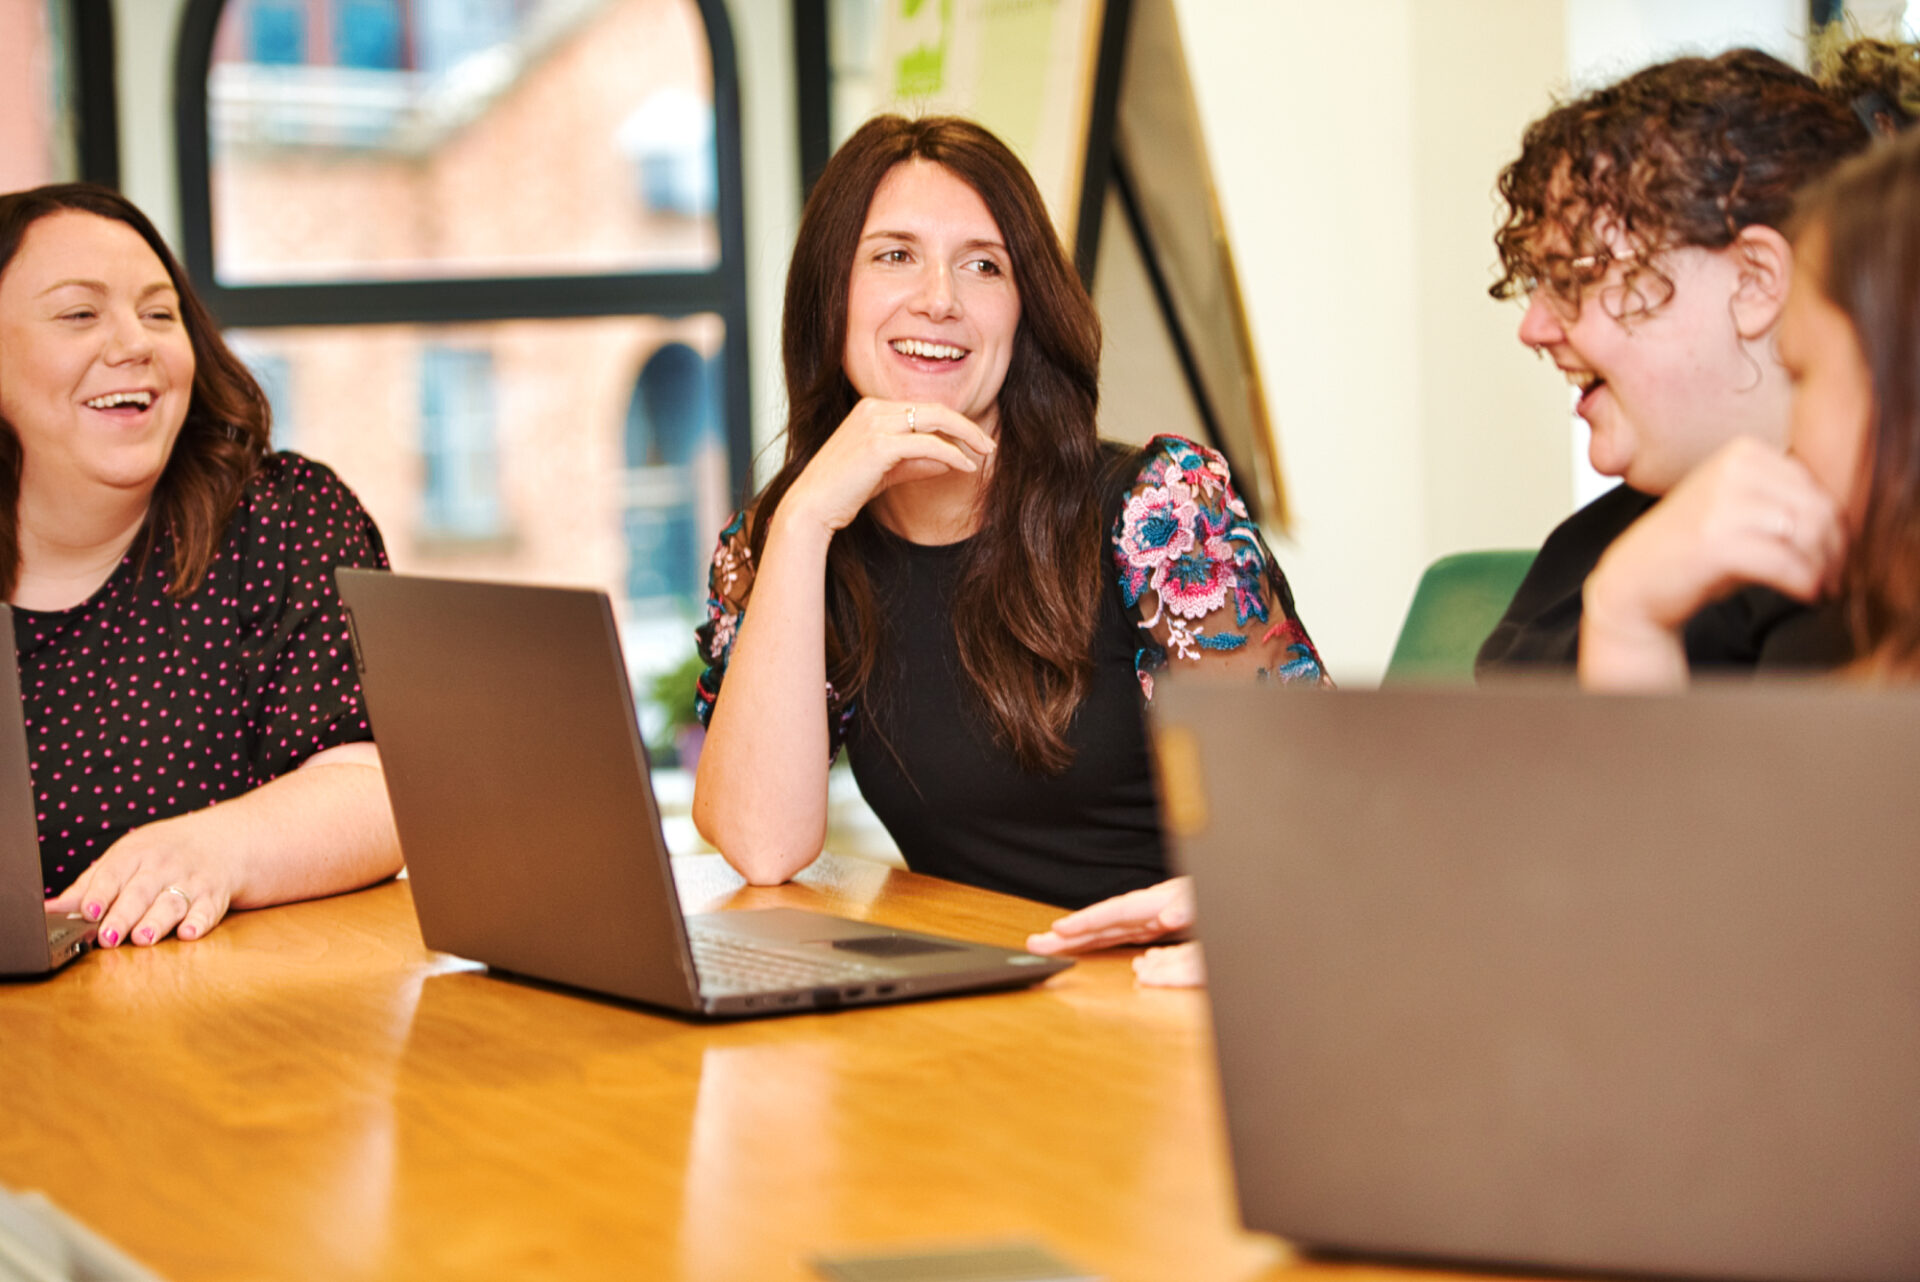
720, 291
86, 100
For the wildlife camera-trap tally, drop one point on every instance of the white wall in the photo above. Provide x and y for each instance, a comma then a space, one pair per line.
1607, 39
144, 35
1356, 163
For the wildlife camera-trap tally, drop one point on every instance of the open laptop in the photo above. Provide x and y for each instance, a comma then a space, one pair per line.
1615, 985
31, 942
520, 787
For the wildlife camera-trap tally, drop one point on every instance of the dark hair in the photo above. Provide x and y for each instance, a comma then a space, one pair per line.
1868, 215
1029, 587
221, 442
1687, 152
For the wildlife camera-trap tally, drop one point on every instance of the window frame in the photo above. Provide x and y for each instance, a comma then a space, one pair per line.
720, 290
87, 103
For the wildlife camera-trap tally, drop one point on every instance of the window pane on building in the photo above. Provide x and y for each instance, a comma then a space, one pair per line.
36, 113
460, 462
507, 450
406, 139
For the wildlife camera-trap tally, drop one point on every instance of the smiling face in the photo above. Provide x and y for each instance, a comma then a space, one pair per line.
96, 367
1662, 383
1833, 404
932, 308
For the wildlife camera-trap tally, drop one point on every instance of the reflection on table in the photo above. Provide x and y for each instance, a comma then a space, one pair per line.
309, 1093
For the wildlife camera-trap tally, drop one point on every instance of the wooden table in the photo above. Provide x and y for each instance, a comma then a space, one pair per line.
309, 1093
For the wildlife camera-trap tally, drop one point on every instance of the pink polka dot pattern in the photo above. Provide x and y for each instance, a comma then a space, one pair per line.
140, 708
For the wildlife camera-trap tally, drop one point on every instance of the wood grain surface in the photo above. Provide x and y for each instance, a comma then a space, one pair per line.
308, 1093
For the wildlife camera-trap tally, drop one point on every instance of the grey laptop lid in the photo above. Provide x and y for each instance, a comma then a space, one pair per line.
521, 792
29, 943
1525, 977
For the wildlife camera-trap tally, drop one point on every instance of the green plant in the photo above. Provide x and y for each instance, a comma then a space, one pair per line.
671, 692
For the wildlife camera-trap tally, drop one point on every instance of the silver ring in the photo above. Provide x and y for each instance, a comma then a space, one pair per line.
910, 426
175, 890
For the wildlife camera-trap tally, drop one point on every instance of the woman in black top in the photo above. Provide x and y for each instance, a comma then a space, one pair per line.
1644, 229
178, 637
1837, 513
950, 575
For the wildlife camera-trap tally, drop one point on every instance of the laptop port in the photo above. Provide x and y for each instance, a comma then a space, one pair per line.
854, 994
883, 990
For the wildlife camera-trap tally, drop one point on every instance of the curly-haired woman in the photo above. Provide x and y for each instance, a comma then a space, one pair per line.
1644, 229
1837, 513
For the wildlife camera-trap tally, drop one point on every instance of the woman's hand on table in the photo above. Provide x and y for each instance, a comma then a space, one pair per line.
877, 446
1749, 515
153, 882
1137, 917
319, 829
1175, 966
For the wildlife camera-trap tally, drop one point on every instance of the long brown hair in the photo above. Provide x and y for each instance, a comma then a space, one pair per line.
1686, 152
1029, 587
1868, 216
221, 443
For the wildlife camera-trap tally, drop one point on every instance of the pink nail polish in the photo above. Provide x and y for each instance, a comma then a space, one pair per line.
94, 911
110, 937
146, 934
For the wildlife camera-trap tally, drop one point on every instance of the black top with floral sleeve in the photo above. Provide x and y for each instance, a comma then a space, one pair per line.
1192, 582
139, 707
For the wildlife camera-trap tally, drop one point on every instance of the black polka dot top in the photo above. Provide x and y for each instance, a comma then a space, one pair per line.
140, 708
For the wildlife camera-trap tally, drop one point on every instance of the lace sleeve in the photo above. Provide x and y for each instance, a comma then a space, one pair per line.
729, 580
1197, 575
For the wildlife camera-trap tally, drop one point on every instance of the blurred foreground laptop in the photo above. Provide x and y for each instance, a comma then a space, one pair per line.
31, 943
520, 787
1614, 985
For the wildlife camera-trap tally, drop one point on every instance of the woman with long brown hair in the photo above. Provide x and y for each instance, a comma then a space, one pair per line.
171, 586
1837, 513
979, 588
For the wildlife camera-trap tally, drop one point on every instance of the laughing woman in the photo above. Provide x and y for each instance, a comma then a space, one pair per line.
1645, 232
1837, 513
981, 589
171, 582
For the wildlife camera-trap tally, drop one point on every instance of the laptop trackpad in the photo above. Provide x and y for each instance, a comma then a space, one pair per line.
892, 946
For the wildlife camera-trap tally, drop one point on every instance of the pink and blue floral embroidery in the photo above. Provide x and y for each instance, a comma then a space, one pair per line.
727, 578
1184, 547
1184, 550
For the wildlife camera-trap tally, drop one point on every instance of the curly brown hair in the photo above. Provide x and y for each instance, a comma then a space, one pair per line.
221, 443
1686, 152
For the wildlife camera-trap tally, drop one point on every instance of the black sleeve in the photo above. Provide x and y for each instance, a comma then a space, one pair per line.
1541, 629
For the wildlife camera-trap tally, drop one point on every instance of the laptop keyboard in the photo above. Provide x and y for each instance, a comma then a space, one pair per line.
728, 964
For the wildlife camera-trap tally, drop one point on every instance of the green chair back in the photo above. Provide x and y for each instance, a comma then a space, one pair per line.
1459, 599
